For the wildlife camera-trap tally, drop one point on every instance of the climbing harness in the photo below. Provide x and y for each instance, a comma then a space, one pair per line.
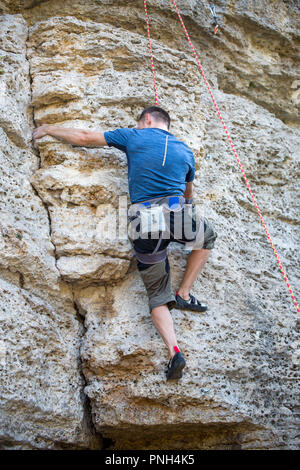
213, 12
227, 134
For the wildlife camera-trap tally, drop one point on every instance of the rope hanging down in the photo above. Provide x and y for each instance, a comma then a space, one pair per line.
229, 139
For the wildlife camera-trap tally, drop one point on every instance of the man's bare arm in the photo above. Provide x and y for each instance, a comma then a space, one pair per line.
80, 137
188, 193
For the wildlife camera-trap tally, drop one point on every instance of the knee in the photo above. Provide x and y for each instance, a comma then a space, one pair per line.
159, 310
201, 253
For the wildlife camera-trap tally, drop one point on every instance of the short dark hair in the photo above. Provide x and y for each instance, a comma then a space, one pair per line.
158, 113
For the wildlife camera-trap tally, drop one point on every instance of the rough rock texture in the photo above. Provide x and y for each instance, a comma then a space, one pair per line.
79, 357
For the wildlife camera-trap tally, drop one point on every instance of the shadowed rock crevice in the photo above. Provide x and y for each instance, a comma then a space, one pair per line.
184, 436
96, 441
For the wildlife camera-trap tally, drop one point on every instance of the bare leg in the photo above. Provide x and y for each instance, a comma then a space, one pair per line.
163, 322
195, 263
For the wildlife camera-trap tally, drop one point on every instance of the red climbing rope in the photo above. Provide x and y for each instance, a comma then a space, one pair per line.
230, 141
151, 53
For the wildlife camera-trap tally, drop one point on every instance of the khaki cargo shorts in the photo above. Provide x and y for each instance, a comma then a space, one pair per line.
156, 277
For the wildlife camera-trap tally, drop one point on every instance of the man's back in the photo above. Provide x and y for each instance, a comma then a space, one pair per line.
158, 163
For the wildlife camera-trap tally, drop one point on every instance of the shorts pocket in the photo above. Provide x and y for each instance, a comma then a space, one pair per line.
157, 281
210, 235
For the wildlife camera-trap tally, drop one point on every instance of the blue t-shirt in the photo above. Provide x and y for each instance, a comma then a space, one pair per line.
158, 163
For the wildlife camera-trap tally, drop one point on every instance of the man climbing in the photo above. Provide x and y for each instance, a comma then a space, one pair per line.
160, 177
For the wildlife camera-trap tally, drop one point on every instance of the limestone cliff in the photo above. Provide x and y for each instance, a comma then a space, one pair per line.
81, 364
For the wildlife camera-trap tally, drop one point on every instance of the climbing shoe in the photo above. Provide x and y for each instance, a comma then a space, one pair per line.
191, 304
175, 366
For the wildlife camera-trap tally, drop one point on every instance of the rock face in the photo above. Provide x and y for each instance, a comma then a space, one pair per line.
80, 359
